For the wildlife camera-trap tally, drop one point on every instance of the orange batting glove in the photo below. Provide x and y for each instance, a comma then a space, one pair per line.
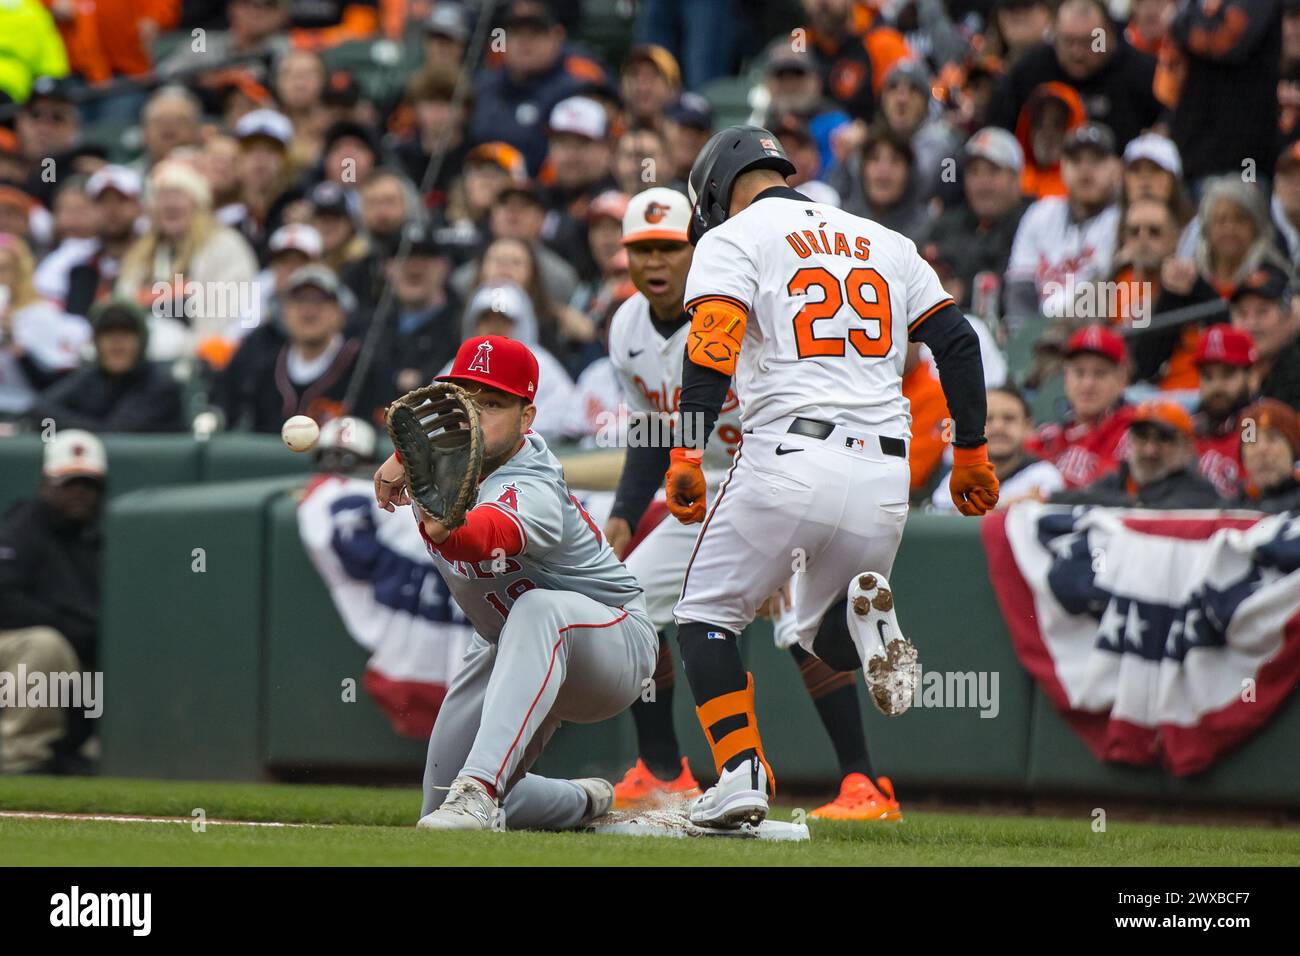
974, 486
684, 485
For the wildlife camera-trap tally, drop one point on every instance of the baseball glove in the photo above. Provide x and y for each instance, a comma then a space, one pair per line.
436, 433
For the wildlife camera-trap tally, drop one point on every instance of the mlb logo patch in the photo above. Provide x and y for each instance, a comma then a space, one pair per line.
767, 144
855, 444
716, 636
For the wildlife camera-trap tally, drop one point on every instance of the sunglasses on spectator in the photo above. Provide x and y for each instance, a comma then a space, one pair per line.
1150, 433
52, 116
1144, 229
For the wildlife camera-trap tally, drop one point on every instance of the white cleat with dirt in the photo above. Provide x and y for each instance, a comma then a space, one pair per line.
739, 797
468, 807
889, 660
600, 798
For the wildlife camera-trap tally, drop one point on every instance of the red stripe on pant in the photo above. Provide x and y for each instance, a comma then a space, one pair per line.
496, 781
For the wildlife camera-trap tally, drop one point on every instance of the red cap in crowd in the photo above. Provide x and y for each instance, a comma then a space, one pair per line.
1225, 344
498, 362
1097, 340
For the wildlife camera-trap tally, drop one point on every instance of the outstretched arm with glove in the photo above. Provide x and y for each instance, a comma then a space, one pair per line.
956, 350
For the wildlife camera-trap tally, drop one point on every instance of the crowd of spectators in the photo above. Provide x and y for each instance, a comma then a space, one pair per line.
274, 239
203, 213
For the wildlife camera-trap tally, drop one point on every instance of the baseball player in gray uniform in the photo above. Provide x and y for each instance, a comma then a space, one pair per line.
561, 626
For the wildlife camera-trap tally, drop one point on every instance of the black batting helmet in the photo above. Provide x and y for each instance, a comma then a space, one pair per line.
730, 152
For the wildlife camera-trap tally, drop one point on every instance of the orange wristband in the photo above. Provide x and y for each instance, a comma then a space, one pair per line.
969, 456
686, 454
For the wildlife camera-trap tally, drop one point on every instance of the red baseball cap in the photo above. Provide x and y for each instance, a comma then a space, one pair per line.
498, 362
1226, 344
1097, 340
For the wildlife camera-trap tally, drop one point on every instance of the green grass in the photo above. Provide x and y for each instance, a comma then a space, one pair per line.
372, 827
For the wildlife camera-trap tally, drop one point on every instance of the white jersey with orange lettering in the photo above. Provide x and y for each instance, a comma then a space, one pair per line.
649, 369
831, 299
820, 480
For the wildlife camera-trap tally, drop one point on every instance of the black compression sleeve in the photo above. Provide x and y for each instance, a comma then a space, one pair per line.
703, 392
956, 350
643, 475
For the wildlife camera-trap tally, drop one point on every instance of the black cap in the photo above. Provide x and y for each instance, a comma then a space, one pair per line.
419, 239
782, 56
1268, 282
329, 197
527, 190
350, 128
693, 110
118, 314
1094, 136
51, 88
789, 125
529, 13
341, 89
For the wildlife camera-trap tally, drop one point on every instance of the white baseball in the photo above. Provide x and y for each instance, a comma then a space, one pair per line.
300, 433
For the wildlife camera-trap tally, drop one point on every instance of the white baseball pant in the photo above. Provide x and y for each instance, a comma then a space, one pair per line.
822, 508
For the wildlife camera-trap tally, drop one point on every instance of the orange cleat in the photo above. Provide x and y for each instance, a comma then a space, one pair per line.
860, 799
640, 789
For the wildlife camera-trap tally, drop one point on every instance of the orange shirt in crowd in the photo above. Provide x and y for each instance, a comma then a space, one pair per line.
103, 36
930, 418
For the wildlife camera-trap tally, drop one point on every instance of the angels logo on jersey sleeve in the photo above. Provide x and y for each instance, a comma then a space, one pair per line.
510, 496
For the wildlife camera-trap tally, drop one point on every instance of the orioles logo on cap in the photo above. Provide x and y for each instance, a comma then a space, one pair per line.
655, 212
481, 362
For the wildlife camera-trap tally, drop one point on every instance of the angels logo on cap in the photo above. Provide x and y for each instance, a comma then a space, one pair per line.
482, 359
497, 362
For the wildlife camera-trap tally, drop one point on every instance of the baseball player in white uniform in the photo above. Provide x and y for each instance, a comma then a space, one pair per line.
561, 631
811, 309
647, 338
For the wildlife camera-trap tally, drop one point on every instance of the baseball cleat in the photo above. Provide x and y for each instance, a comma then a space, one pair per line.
600, 797
860, 799
889, 660
739, 797
640, 789
468, 807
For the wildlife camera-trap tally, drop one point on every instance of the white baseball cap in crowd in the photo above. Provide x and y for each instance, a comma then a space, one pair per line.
74, 453
297, 236
268, 123
1156, 149
579, 115
997, 146
658, 213
348, 434
118, 178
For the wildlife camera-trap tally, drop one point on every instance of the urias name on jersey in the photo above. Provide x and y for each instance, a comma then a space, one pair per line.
835, 290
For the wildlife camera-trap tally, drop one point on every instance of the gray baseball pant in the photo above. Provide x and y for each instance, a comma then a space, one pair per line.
560, 656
